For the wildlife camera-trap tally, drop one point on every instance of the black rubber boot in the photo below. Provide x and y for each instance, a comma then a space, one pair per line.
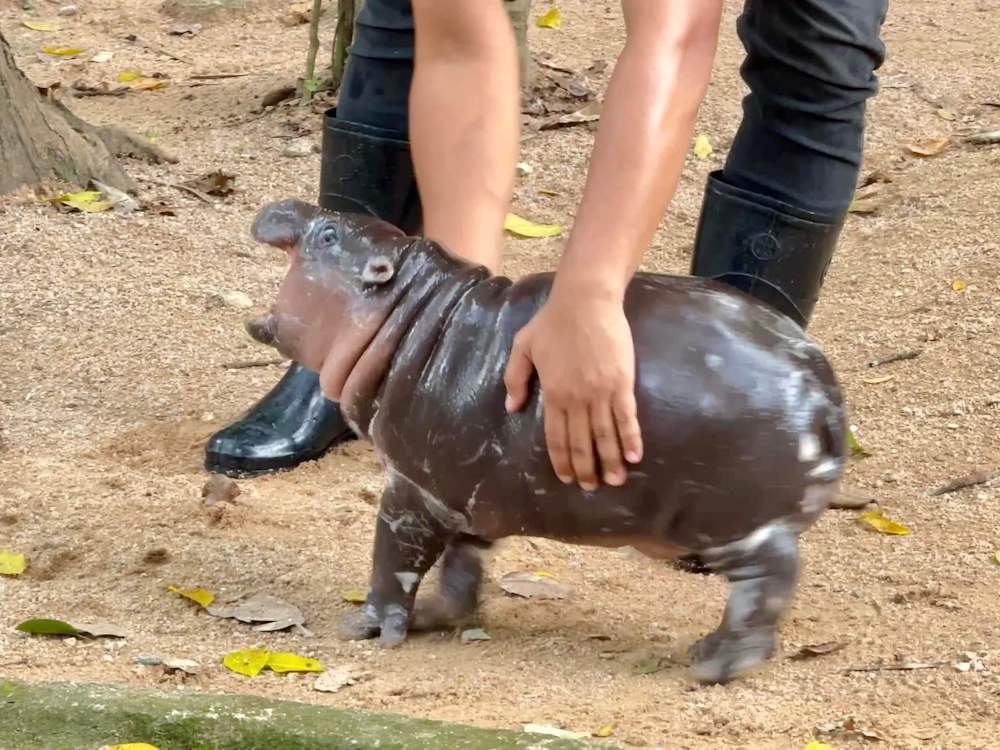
365, 170
769, 249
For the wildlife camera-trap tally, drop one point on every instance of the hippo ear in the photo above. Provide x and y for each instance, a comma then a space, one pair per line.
378, 270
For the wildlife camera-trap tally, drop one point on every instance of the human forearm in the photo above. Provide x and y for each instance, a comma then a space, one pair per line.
649, 112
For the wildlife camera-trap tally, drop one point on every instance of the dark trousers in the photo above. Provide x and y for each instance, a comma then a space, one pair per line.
809, 66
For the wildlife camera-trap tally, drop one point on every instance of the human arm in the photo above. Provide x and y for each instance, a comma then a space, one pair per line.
580, 342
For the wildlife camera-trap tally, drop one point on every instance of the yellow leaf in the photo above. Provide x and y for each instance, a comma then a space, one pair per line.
817, 745
877, 520
283, 662
131, 746
129, 75
552, 19
86, 200
11, 564
605, 731
66, 51
996, 556
355, 596
545, 573
928, 146
42, 25
199, 596
702, 147
958, 285
517, 225
248, 662
147, 84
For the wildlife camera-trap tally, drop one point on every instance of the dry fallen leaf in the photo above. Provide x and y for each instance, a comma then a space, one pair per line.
355, 596
42, 25
945, 114
551, 19
702, 146
214, 183
62, 51
474, 634
199, 596
88, 201
928, 146
877, 381
273, 613
878, 521
11, 563
248, 663
605, 730
182, 665
332, 680
520, 226
958, 285
286, 662
100, 629
554, 731
534, 586
819, 649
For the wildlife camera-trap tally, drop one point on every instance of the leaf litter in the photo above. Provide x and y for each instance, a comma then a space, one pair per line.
536, 585
266, 612
337, 678
12, 563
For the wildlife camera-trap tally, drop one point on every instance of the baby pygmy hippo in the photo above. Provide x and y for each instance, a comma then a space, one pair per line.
742, 418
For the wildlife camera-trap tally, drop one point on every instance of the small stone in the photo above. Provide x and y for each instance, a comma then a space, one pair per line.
102, 57
523, 168
147, 660
67, 10
220, 489
300, 147
182, 665
236, 299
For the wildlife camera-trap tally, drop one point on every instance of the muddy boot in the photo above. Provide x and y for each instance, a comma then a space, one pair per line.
365, 170
769, 249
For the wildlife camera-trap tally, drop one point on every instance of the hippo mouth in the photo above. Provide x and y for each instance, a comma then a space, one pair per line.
263, 330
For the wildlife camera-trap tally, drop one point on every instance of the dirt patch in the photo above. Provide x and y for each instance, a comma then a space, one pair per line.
111, 378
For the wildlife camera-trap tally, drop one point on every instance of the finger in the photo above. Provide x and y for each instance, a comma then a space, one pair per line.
518, 374
557, 442
581, 448
629, 434
609, 450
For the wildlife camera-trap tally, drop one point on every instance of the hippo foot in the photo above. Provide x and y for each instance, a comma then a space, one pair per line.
720, 656
388, 623
437, 613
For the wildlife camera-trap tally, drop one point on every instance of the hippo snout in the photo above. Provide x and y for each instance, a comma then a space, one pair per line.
263, 330
282, 223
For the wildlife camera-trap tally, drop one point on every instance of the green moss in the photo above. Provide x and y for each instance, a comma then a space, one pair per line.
86, 717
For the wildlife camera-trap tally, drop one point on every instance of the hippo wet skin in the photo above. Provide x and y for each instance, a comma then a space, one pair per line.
742, 418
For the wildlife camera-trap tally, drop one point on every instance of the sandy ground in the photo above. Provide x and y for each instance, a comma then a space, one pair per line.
111, 378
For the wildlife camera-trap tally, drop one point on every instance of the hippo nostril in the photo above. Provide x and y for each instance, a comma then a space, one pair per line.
263, 330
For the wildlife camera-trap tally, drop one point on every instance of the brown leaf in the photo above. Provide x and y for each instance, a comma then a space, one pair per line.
272, 612
819, 649
589, 113
534, 586
928, 146
214, 183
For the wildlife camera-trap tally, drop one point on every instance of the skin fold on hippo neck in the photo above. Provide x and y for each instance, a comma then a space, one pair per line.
428, 285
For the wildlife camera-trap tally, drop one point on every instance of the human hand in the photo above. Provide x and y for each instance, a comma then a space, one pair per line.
581, 345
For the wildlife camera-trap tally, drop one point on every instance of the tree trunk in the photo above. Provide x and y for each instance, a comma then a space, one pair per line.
41, 140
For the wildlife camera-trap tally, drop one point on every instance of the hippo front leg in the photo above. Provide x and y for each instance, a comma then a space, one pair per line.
762, 570
408, 541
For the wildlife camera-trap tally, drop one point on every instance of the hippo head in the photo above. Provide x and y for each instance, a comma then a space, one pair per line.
335, 296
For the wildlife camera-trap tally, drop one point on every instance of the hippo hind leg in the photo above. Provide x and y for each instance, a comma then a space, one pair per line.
762, 570
408, 541
457, 596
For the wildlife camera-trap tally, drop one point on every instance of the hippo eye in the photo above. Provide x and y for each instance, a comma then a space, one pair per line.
328, 237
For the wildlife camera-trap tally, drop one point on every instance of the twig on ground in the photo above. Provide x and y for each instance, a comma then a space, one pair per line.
153, 48
186, 188
970, 480
248, 363
905, 666
898, 357
215, 76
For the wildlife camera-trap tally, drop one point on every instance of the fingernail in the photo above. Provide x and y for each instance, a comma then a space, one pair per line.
588, 486
632, 457
614, 478
508, 403
565, 479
